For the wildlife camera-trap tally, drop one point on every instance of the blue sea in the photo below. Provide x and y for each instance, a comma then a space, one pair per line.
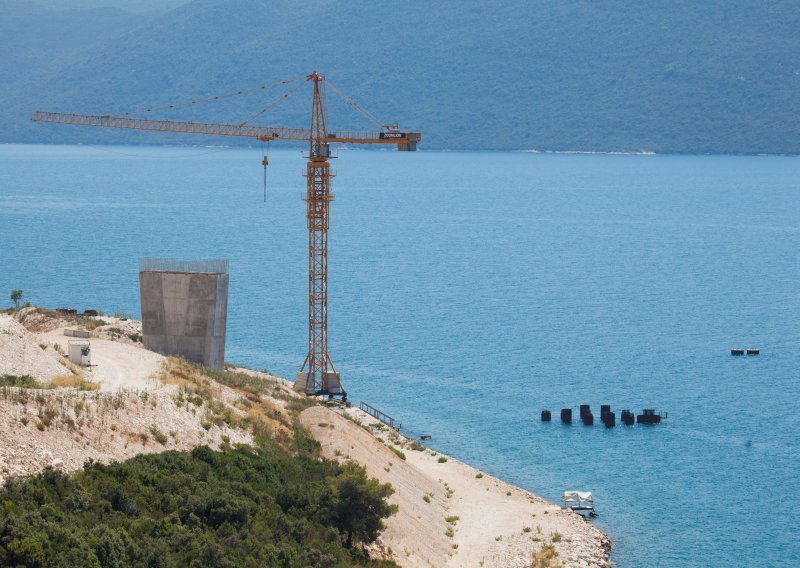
469, 291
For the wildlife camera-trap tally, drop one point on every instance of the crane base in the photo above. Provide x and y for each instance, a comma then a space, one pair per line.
331, 385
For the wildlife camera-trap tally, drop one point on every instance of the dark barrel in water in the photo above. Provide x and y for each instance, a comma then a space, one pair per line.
566, 415
627, 417
586, 414
546, 416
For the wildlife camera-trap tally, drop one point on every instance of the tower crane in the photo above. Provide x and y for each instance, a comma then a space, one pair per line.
317, 374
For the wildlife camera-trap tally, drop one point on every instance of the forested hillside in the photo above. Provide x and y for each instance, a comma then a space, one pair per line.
207, 509
677, 76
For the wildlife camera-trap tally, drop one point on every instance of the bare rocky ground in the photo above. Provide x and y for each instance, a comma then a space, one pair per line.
133, 401
130, 401
21, 354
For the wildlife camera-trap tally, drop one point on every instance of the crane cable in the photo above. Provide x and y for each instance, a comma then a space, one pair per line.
265, 163
354, 105
216, 97
272, 104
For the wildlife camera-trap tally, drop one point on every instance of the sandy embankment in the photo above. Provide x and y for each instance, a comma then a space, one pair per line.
450, 514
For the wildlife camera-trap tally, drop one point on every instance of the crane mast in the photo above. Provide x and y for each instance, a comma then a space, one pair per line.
317, 375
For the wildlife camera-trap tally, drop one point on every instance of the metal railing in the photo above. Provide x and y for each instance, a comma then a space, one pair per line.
211, 265
382, 416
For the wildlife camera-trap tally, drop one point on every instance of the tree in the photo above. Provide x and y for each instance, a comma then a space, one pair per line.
361, 504
16, 296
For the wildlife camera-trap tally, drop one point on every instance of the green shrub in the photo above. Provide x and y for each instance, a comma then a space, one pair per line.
158, 435
16, 296
22, 381
244, 507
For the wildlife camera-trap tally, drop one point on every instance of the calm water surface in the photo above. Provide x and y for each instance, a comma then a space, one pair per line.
471, 290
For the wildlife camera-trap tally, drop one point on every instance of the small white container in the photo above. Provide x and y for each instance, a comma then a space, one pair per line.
80, 352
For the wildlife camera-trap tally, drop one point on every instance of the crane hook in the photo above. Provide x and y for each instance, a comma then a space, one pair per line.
265, 163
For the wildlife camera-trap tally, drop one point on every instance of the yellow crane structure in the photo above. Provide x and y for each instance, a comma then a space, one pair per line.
317, 375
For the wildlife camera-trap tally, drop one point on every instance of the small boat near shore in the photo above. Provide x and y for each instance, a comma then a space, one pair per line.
579, 501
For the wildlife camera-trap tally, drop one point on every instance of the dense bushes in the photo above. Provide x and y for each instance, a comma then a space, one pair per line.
245, 507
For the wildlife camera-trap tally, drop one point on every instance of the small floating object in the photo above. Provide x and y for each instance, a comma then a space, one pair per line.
425, 437
586, 415
579, 501
650, 417
737, 351
546, 416
606, 416
753, 351
627, 417
566, 415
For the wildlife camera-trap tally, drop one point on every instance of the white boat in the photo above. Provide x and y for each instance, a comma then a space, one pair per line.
580, 501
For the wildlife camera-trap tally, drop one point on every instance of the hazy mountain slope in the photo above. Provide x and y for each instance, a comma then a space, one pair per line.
33, 38
669, 77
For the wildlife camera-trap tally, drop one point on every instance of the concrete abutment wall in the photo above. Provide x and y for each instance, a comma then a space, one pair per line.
184, 311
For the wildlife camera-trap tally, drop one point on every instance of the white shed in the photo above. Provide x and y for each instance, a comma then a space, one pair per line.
80, 352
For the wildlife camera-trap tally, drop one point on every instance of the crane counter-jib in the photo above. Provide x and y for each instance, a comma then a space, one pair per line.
404, 140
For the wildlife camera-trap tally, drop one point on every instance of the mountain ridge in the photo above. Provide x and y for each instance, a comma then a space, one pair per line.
667, 78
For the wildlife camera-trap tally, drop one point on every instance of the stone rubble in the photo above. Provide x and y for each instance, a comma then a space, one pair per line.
21, 353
